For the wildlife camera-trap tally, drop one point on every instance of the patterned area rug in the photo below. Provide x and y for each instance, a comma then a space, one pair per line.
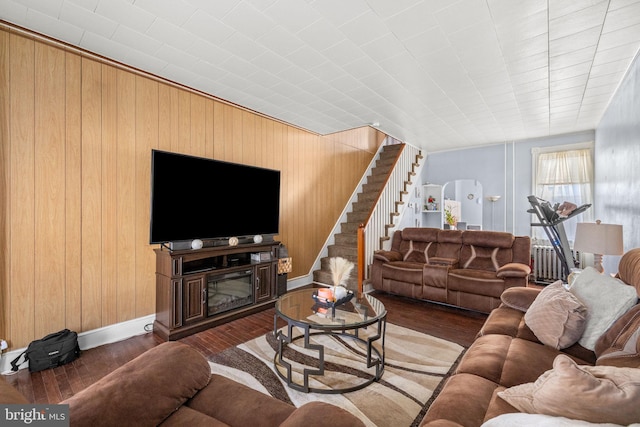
416, 365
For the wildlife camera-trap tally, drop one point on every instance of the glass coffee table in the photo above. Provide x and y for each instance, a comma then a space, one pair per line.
355, 325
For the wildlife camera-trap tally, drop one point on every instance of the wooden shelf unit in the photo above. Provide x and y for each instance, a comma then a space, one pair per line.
181, 285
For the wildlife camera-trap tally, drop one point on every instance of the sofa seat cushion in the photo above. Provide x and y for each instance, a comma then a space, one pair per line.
508, 361
403, 271
454, 402
508, 321
477, 282
227, 401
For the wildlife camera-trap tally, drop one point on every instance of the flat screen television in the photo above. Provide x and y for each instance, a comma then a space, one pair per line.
199, 198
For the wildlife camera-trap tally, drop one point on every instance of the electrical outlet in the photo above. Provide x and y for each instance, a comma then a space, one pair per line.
3, 345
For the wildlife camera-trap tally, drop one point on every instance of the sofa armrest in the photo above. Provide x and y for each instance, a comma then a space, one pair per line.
519, 298
387, 256
514, 269
143, 391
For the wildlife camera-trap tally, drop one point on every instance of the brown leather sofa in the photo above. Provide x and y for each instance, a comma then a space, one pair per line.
507, 353
172, 385
468, 269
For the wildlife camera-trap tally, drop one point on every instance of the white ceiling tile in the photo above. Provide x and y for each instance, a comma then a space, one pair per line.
126, 14
411, 21
50, 7
87, 4
207, 27
433, 72
139, 41
294, 15
218, 8
578, 21
12, 11
80, 16
338, 12
174, 11
53, 27
249, 21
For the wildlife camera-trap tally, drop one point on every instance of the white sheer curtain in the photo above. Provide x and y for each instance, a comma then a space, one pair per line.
564, 176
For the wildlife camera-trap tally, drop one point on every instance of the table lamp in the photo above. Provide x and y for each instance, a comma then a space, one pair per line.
599, 239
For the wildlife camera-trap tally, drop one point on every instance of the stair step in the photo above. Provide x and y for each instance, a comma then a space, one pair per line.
348, 252
324, 277
344, 239
357, 216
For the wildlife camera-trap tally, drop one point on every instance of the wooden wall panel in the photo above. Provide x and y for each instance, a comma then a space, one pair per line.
73, 192
49, 189
91, 239
126, 202
21, 305
5, 167
77, 150
146, 138
109, 213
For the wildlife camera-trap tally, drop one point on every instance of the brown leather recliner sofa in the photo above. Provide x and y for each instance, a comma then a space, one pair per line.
468, 269
507, 353
172, 385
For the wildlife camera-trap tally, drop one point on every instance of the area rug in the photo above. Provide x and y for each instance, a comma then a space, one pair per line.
416, 366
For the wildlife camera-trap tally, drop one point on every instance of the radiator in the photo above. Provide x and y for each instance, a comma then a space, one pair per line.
546, 264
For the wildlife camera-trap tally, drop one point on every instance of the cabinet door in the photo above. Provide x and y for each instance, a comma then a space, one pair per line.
195, 298
264, 282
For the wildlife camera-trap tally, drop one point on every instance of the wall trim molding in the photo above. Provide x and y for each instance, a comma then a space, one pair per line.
93, 338
117, 332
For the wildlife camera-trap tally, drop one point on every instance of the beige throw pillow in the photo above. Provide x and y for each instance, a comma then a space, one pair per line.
598, 394
556, 317
606, 299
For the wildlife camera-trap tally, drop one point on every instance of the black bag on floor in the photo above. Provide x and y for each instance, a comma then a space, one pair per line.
53, 350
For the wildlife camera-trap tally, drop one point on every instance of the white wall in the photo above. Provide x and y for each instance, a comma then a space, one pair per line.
617, 163
503, 170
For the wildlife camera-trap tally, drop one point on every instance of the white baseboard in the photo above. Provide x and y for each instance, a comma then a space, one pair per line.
116, 332
92, 338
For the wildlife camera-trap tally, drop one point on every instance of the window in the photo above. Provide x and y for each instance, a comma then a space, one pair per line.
564, 174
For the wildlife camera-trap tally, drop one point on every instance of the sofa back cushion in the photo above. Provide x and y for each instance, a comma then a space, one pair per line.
486, 250
449, 244
417, 244
143, 391
620, 344
629, 269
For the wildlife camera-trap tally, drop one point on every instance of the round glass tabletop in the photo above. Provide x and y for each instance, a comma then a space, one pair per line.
301, 307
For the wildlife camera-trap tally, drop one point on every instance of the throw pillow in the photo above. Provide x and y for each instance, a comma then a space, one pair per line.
556, 317
606, 299
598, 394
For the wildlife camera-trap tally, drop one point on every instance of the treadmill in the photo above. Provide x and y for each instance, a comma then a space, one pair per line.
552, 223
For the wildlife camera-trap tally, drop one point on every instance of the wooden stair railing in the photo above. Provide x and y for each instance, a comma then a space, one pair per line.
374, 230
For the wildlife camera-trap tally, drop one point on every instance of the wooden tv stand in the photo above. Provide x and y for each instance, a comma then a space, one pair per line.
186, 278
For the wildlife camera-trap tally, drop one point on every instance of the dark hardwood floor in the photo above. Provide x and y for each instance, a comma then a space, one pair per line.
55, 385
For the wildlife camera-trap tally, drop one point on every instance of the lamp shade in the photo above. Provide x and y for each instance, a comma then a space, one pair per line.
598, 238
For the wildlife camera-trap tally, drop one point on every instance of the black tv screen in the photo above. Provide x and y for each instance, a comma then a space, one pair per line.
200, 198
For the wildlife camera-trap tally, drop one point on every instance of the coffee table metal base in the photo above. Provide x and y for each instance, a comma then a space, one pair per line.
374, 358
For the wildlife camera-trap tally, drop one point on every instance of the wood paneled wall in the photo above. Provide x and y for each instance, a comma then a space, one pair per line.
77, 133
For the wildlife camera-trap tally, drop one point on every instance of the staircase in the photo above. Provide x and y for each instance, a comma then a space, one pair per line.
346, 242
